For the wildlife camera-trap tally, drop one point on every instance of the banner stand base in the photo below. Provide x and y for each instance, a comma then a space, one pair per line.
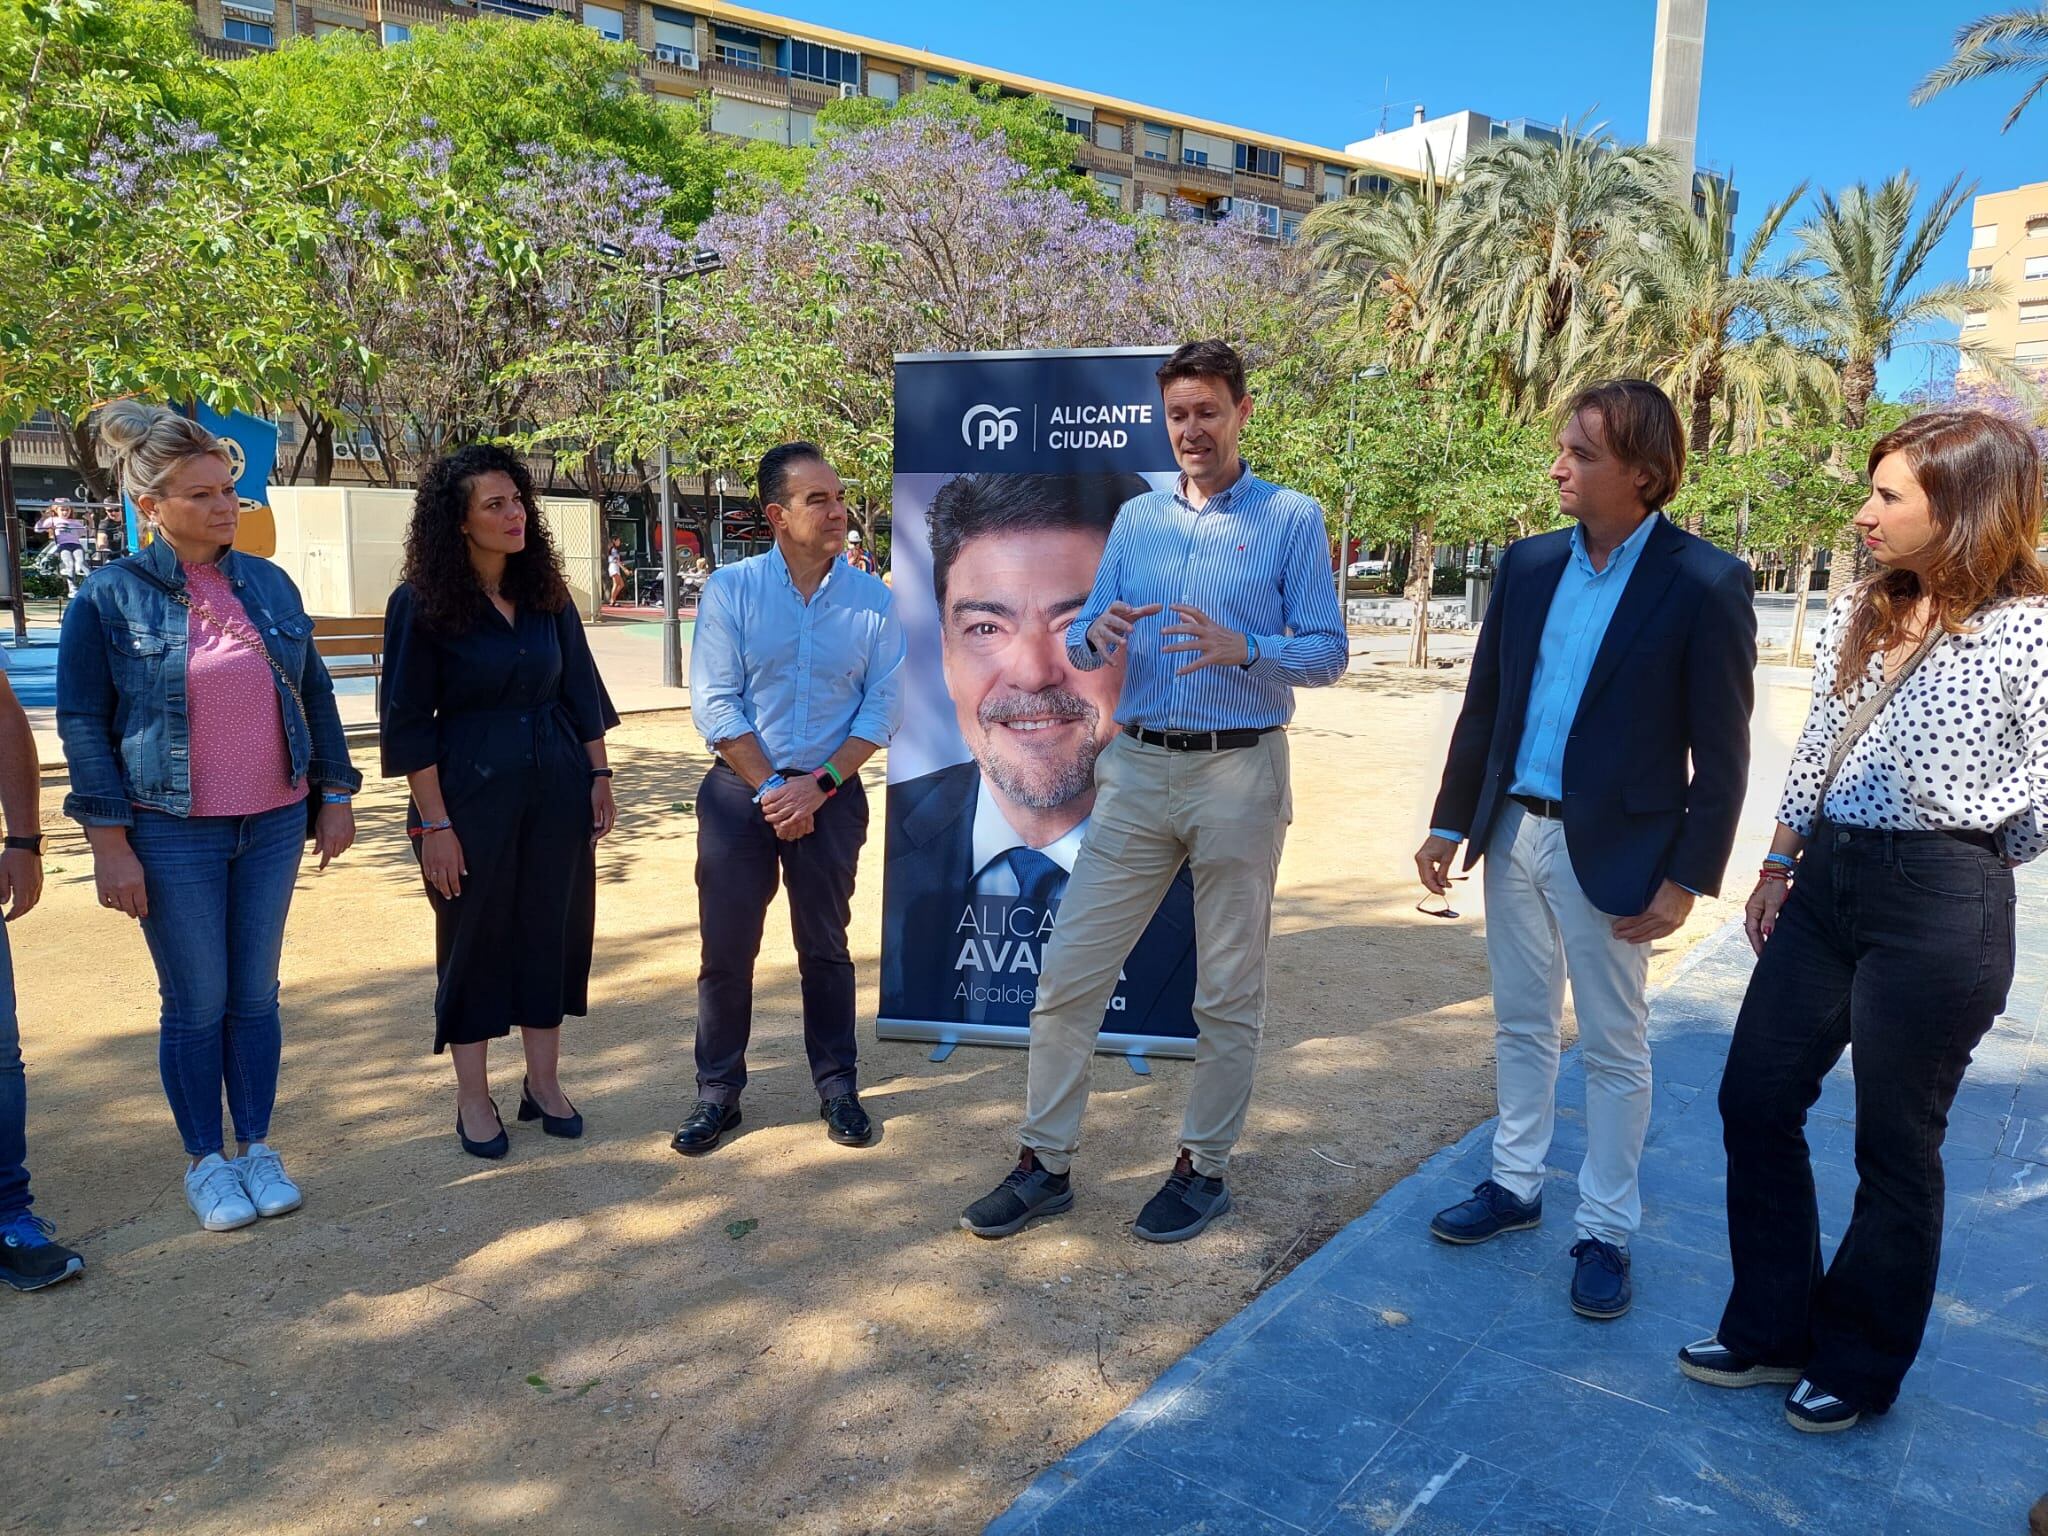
942, 1050
944, 1036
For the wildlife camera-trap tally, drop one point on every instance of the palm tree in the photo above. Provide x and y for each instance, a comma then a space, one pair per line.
1710, 326
2003, 43
1546, 230
1389, 254
1864, 253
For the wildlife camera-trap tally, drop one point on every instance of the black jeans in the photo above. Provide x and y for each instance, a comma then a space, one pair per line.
738, 857
1900, 945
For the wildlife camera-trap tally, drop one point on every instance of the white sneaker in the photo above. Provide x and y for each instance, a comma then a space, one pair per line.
215, 1193
263, 1176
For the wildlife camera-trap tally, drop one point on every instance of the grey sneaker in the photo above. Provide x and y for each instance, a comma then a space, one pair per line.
263, 1176
1027, 1194
1186, 1204
215, 1192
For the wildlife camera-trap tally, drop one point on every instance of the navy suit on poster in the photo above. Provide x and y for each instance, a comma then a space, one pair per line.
927, 882
1656, 763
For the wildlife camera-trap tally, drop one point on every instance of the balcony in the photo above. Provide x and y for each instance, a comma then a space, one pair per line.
671, 63
221, 48
747, 82
40, 447
1092, 157
409, 11
1203, 181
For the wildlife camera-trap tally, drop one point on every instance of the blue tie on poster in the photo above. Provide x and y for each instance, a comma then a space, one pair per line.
253, 456
1011, 469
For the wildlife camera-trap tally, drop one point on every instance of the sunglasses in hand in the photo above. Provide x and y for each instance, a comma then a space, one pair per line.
1444, 910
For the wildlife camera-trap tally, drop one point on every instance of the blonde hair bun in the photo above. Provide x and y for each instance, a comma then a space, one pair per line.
149, 443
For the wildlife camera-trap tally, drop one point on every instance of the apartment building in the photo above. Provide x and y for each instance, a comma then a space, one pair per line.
768, 76
2009, 249
1445, 142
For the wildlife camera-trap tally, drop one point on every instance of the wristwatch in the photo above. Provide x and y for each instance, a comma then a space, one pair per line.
32, 845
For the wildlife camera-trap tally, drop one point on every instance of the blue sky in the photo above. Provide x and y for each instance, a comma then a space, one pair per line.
1795, 90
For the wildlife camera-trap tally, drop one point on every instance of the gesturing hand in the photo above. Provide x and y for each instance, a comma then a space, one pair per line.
1112, 631
1664, 916
1212, 644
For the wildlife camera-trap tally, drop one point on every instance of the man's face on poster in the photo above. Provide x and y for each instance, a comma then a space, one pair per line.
1033, 722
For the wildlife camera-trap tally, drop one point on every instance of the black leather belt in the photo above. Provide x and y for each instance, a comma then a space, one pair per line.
1198, 741
1536, 805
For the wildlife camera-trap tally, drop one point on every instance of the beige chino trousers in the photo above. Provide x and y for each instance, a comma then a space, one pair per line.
1225, 813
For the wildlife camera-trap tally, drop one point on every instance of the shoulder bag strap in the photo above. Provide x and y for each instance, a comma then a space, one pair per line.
178, 596
1864, 714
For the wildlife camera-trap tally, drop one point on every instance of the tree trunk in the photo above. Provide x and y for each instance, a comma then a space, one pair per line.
1850, 561
84, 458
1421, 578
1802, 580
323, 451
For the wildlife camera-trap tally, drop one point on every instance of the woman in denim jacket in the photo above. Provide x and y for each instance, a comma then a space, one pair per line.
198, 721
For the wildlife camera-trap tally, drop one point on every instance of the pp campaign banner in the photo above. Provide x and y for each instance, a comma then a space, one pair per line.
1011, 468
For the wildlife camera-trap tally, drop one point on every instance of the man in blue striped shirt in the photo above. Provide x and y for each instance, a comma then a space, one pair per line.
1219, 595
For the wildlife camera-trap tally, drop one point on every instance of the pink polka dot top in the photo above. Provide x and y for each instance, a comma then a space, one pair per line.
241, 764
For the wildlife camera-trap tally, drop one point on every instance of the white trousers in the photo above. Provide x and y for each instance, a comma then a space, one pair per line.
1540, 928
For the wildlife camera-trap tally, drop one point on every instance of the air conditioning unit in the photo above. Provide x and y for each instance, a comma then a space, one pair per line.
344, 449
848, 91
668, 53
368, 453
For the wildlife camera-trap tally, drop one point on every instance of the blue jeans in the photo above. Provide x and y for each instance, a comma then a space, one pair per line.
13, 1096
219, 888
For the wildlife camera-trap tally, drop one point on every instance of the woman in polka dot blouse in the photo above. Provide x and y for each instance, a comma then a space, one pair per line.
1883, 914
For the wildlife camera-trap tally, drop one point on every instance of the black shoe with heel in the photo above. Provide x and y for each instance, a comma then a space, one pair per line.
496, 1147
569, 1126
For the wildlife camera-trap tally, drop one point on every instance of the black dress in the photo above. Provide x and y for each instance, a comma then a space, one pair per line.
503, 711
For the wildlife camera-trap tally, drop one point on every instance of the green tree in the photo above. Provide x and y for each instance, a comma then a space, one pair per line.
1544, 231
154, 247
1710, 326
2011, 42
1391, 257
1866, 255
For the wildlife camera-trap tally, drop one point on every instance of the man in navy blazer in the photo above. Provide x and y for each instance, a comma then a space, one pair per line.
1598, 766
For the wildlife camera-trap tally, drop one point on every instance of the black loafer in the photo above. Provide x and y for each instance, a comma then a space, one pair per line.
846, 1122
1818, 1411
1714, 1363
495, 1148
1490, 1212
705, 1128
569, 1126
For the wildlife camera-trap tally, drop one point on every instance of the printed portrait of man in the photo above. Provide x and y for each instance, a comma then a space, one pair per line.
979, 852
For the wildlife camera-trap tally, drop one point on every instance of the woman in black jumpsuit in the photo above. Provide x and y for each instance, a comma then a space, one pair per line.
494, 711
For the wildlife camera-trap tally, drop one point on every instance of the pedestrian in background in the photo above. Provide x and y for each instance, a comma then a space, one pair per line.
1883, 914
68, 534
494, 713
205, 747
30, 1256
795, 682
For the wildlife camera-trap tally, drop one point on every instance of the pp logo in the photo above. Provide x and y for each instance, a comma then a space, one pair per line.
984, 426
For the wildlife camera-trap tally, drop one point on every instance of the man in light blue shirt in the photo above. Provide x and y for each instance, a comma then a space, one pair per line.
1219, 597
1598, 767
796, 673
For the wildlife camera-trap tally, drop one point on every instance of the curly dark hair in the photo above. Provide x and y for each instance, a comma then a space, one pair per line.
446, 593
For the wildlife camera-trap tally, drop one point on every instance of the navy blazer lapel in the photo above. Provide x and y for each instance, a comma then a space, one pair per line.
1656, 568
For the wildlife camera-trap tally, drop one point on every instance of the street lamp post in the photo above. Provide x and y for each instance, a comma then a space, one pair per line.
695, 264
1369, 371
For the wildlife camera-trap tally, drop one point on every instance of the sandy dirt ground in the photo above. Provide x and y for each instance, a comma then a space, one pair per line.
603, 1337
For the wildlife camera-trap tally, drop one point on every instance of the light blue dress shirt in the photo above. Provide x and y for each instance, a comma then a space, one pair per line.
1256, 558
801, 677
1580, 610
